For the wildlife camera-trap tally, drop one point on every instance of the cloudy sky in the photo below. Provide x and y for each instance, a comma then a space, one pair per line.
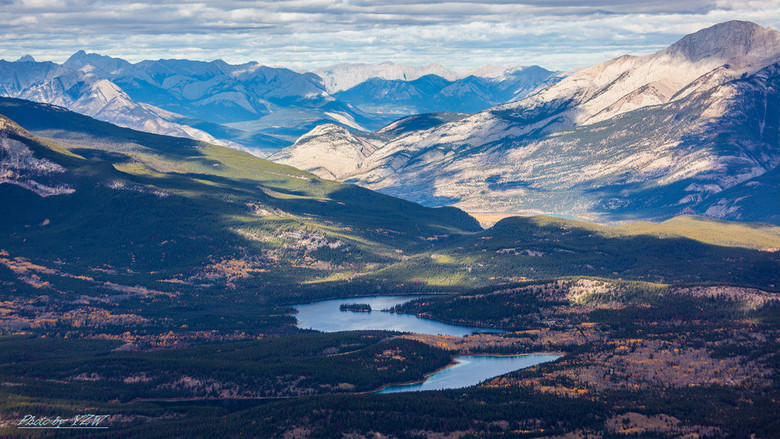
306, 34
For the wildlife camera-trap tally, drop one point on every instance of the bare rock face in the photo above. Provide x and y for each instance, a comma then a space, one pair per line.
740, 42
329, 151
677, 131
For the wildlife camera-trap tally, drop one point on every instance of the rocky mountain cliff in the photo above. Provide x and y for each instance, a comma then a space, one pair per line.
346, 151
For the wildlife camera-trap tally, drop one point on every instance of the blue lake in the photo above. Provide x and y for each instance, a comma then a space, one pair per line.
325, 316
468, 371
471, 370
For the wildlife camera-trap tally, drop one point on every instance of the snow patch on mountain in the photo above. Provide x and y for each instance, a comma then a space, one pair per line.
345, 76
344, 119
18, 166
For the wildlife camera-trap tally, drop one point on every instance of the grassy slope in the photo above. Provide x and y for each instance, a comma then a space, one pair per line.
218, 203
685, 250
709, 231
210, 231
143, 154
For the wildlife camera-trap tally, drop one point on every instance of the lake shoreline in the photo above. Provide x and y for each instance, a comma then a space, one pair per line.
325, 316
372, 296
328, 316
455, 362
427, 375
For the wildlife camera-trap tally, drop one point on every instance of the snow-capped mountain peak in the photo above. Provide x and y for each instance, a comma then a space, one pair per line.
344, 76
104, 66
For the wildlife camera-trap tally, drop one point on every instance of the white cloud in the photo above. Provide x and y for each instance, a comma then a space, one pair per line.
461, 34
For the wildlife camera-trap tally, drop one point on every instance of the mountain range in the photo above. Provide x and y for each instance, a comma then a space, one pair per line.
342, 77
98, 195
87, 94
250, 106
97, 210
165, 282
434, 93
693, 128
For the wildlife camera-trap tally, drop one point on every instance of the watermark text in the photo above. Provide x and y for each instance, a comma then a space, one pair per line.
78, 421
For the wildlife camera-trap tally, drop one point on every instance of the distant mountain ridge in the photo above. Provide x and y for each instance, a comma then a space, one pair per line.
342, 77
431, 93
635, 137
203, 93
246, 106
214, 91
87, 94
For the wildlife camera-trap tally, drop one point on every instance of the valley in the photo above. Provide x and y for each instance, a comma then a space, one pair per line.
640, 312
155, 270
